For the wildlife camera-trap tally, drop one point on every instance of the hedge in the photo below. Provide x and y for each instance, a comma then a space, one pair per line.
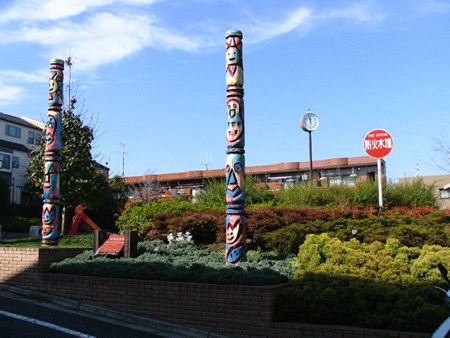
371, 285
181, 261
284, 229
319, 298
409, 230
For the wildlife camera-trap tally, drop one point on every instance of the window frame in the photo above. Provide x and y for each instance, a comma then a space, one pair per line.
16, 134
15, 159
2, 157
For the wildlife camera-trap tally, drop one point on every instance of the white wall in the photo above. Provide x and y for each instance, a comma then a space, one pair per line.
18, 175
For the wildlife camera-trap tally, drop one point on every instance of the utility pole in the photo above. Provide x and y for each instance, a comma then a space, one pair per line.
123, 152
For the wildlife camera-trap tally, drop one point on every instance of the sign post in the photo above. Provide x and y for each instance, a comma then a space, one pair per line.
378, 143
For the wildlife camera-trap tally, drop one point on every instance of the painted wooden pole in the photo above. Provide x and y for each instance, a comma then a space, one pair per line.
52, 159
236, 220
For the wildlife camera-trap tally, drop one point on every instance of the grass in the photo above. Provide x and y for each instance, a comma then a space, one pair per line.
78, 241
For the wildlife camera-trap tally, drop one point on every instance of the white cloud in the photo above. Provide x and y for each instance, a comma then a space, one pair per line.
360, 13
260, 30
43, 10
10, 94
16, 76
99, 37
102, 38
305, 18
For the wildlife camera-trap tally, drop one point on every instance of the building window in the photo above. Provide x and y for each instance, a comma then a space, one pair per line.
12, 131
5, 161
349, 181
444, 193
371, 176
34, 137
15, 162
335, 180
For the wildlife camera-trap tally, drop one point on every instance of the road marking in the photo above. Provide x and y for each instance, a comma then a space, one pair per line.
46, 324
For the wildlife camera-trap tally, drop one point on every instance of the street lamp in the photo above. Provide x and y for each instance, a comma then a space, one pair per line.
309, 122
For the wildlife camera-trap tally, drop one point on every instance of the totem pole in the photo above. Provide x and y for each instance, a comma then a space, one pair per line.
236, 219
50, 208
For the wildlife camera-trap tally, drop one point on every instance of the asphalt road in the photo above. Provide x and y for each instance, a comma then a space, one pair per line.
23, 318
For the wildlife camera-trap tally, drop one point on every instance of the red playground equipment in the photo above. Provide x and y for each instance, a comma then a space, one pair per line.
79, 217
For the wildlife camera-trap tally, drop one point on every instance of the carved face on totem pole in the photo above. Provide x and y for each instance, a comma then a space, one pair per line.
50, 131
235, 225
50, 214
51, 180
233, 58
235, 178
235, 123
55, 81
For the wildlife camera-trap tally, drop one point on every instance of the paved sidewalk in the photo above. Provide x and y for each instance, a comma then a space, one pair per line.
155, 326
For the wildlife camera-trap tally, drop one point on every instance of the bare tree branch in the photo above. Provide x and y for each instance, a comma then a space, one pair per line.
442, 149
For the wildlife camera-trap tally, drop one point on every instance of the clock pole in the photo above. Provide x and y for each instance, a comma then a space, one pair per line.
310, 122
310, 158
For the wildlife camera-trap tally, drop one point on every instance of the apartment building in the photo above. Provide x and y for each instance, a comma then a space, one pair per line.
18, 136
440, 185
335, 171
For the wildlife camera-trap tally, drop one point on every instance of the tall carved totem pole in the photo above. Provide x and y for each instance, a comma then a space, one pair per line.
52, 159
236, 220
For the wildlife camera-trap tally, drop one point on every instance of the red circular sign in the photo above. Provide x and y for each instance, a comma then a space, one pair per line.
378, 143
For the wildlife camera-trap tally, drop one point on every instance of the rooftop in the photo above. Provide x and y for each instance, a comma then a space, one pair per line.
342, 162
19, 121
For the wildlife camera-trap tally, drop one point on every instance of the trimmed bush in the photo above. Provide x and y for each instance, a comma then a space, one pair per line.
319, 298
410, 231
389, 262
181, 261
386, 286
285, 229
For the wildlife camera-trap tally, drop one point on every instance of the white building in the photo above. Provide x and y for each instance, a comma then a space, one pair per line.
18, 136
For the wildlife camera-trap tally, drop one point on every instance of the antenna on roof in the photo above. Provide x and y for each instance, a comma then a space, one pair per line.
206, 159
123, 152
68, 62
417, 170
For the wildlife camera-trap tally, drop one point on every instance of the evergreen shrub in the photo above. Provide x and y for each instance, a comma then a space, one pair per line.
181, 261
386, 286
409, 230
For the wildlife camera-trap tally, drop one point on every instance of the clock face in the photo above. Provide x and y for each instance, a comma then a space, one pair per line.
309, 122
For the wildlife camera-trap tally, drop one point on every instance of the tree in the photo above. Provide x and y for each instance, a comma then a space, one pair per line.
80, 182
442, 148
148, 190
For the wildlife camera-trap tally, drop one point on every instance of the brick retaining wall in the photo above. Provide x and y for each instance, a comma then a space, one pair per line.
240, 311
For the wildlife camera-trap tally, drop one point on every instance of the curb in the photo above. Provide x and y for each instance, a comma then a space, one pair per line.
111, 314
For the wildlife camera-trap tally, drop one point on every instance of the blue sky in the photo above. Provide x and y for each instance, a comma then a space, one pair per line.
151, 75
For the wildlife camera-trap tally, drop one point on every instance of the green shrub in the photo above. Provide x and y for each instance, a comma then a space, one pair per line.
411, 195
141, 216
389, 262
18, 223
363, 195
213, 195
180, 261
284, 229
410, 231
320, 298
385, 286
